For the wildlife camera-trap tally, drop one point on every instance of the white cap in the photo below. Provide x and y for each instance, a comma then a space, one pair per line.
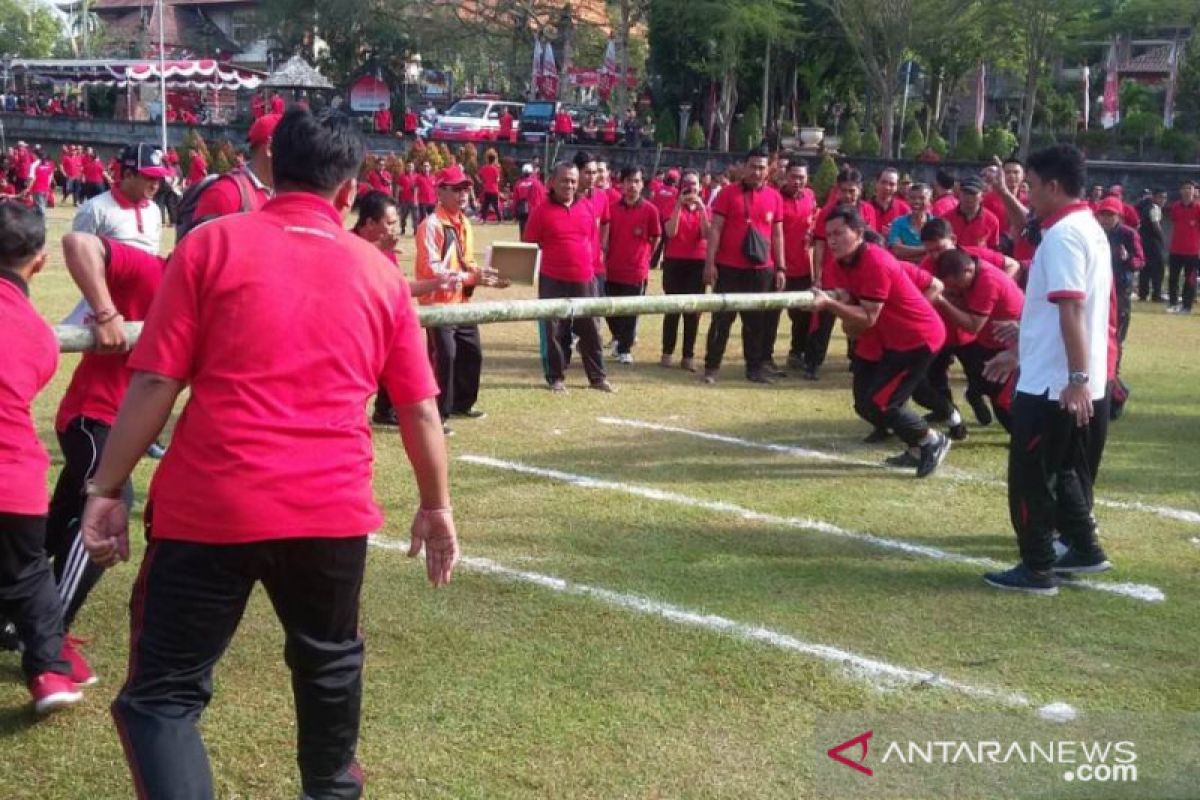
527, 169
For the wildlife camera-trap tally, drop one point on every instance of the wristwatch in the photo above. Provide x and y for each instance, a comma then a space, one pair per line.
1078, 379
93, 489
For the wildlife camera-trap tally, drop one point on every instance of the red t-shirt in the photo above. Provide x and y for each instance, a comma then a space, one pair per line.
993, 295
566, 236
71, 166
664, 200
765, 207
798, 215
198, 169
404, 187
410, 122
28, 360
563, 124
1185, 231
943, 205
43, 175
868, 346
885, 216
688, 243
93, 171
830, 269
425, 188
380, 180
273, 442
489, 176
599, 200
630, 231
506, 124
383, 121
981, 231
276, 104
223, 196
983, 254
531, 190
99, 382
906, 320
994, 203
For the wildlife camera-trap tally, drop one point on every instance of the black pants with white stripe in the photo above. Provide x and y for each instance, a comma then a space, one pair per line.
27, 594
82, 444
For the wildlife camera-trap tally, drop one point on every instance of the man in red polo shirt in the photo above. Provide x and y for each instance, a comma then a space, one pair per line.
634, 231
424, 192
944, 200
564, 126
528, 194
564, 227
745, 255
1184, 258
404, 197
799, 208
887, 204
295, 511
93, 175
507, 132
1009, 182
72, 167
27, 362
383, 119
878, 295
411, 122
974, 225
686, 230
489, 179
242, 189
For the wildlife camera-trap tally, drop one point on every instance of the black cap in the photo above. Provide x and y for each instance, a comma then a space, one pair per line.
145, 159
971, 184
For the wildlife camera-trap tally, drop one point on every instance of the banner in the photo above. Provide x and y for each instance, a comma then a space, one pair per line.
1172, 87
368, 93
1110, 114
980, 97
1087, 96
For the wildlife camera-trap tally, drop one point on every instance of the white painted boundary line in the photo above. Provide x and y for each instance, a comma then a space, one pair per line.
1135, 591
1178, 514
879, 674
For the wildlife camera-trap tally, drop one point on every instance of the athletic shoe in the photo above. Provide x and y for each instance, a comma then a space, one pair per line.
877, 435
389, 419
558, 387
447, 431
81, 671
933, 454
759, 376
979, 404
156, 451
1022, 579
809, 374
52, 691
958, 433
665, 361
9, 638
934, 418
471, 413
773, 371
710, 376
1178, 310
603, 386
687, 364
1073, 562
796, 362
904, 459
624, 358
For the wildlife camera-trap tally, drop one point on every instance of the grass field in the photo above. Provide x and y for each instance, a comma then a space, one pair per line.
648, 614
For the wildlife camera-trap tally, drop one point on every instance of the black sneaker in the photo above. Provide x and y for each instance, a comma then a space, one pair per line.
389, 419
978, 402
471, 413
903, 459
958, 433
809, 374
877, 435
934, 418
759, 376
772, 370
1022, 579
796, 362
933, 454
1073, 562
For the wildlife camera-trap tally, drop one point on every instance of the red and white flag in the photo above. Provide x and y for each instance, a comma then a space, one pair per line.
1172, 87
549, 72
608, 72
980, 97
1110, 115
537, 66
1087, 96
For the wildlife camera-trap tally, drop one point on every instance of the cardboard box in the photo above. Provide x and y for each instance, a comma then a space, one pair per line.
517, 261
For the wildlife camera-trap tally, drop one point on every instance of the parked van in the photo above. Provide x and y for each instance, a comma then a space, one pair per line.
474, 120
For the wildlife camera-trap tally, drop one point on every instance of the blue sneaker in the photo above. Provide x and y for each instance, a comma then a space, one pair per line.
156, 451
1022, 579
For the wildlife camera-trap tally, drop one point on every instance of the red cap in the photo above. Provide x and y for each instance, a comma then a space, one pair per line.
1110, 204
452, 176
263, 129
673, 174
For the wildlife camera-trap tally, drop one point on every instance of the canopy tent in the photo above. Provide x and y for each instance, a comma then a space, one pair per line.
297, 74
197, 74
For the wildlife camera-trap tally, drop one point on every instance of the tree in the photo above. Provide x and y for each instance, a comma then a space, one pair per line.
630, 13
914, 141
664, 129
852, 137
695, 137
970, 143
871, 146
997, 141
28, 28
824, 178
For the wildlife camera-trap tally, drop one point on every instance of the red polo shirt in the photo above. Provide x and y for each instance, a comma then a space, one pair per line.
28, 360
943, 205
93, 170
224, 196
273, 442
741, 208
1185, 231
566, 236
983, 254
531, 190
664, 200
993, 295
563, 124
43, 175
404, 188
906, 320
689, 242
630, 232
506, 125
71, 166
599, 200
983, 230
798, 213
410, 122
99, 383
993, 202
426, 191
885, 216
489, 176
868, 346
383, 121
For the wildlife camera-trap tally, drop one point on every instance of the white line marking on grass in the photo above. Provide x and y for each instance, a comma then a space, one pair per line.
1178, 514
880, 674
1150, 594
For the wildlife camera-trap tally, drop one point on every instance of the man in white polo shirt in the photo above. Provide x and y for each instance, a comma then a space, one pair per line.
1063, 352
127, 213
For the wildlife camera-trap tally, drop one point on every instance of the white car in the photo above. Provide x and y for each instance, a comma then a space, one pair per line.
474, 120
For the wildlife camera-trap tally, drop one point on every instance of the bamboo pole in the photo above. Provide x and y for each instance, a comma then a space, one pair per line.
78, 338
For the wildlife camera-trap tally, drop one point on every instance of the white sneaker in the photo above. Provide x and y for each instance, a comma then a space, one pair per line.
624, 358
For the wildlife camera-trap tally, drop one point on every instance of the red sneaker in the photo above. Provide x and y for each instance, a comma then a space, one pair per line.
52, 691
81, 671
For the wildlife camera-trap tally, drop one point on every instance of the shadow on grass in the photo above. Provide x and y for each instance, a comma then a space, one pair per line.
16, 721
